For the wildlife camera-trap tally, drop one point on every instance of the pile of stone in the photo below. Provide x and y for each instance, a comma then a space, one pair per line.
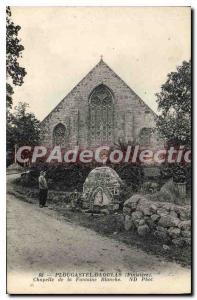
168, 222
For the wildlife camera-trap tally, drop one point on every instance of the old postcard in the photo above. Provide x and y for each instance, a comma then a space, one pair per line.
98, 150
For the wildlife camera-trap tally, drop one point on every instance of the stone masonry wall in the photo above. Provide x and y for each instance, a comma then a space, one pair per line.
54, 196
130, 112
167, 222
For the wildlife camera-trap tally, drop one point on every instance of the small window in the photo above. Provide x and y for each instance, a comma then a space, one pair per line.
59, 135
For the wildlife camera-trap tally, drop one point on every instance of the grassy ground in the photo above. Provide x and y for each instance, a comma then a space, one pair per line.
111, 226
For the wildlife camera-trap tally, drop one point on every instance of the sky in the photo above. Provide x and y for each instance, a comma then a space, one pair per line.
62, 44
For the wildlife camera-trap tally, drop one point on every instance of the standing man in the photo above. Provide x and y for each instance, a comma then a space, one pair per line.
43, 189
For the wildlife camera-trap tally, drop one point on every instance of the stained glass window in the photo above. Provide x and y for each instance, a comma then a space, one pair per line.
101, 116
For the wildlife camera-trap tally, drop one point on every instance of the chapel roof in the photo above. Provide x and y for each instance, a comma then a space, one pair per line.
101, 64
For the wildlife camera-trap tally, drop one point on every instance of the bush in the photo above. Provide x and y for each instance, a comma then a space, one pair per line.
150, 187
59, 176
132, 175
178, 172
68, 177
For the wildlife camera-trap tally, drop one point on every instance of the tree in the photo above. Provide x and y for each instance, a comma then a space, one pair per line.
22, 129
174, 122
174, 103
24, 126
14, 72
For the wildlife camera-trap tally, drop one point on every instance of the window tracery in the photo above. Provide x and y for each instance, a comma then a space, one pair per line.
101, 116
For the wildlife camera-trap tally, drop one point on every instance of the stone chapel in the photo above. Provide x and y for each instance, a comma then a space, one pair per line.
100, 110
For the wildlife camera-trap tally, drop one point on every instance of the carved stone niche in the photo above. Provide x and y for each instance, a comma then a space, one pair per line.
101, 189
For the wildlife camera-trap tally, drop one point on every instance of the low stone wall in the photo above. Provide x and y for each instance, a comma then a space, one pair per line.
168, 222
55, 196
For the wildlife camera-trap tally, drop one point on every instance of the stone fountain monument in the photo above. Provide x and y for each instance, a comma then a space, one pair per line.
101, 189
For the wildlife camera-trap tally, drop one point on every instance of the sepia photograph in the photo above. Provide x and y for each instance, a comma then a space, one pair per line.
98, 150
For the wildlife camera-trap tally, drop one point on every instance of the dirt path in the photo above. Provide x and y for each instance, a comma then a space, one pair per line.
38, 240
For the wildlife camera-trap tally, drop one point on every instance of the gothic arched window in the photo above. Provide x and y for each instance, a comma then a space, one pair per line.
59, 134
145, 136
101, 123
